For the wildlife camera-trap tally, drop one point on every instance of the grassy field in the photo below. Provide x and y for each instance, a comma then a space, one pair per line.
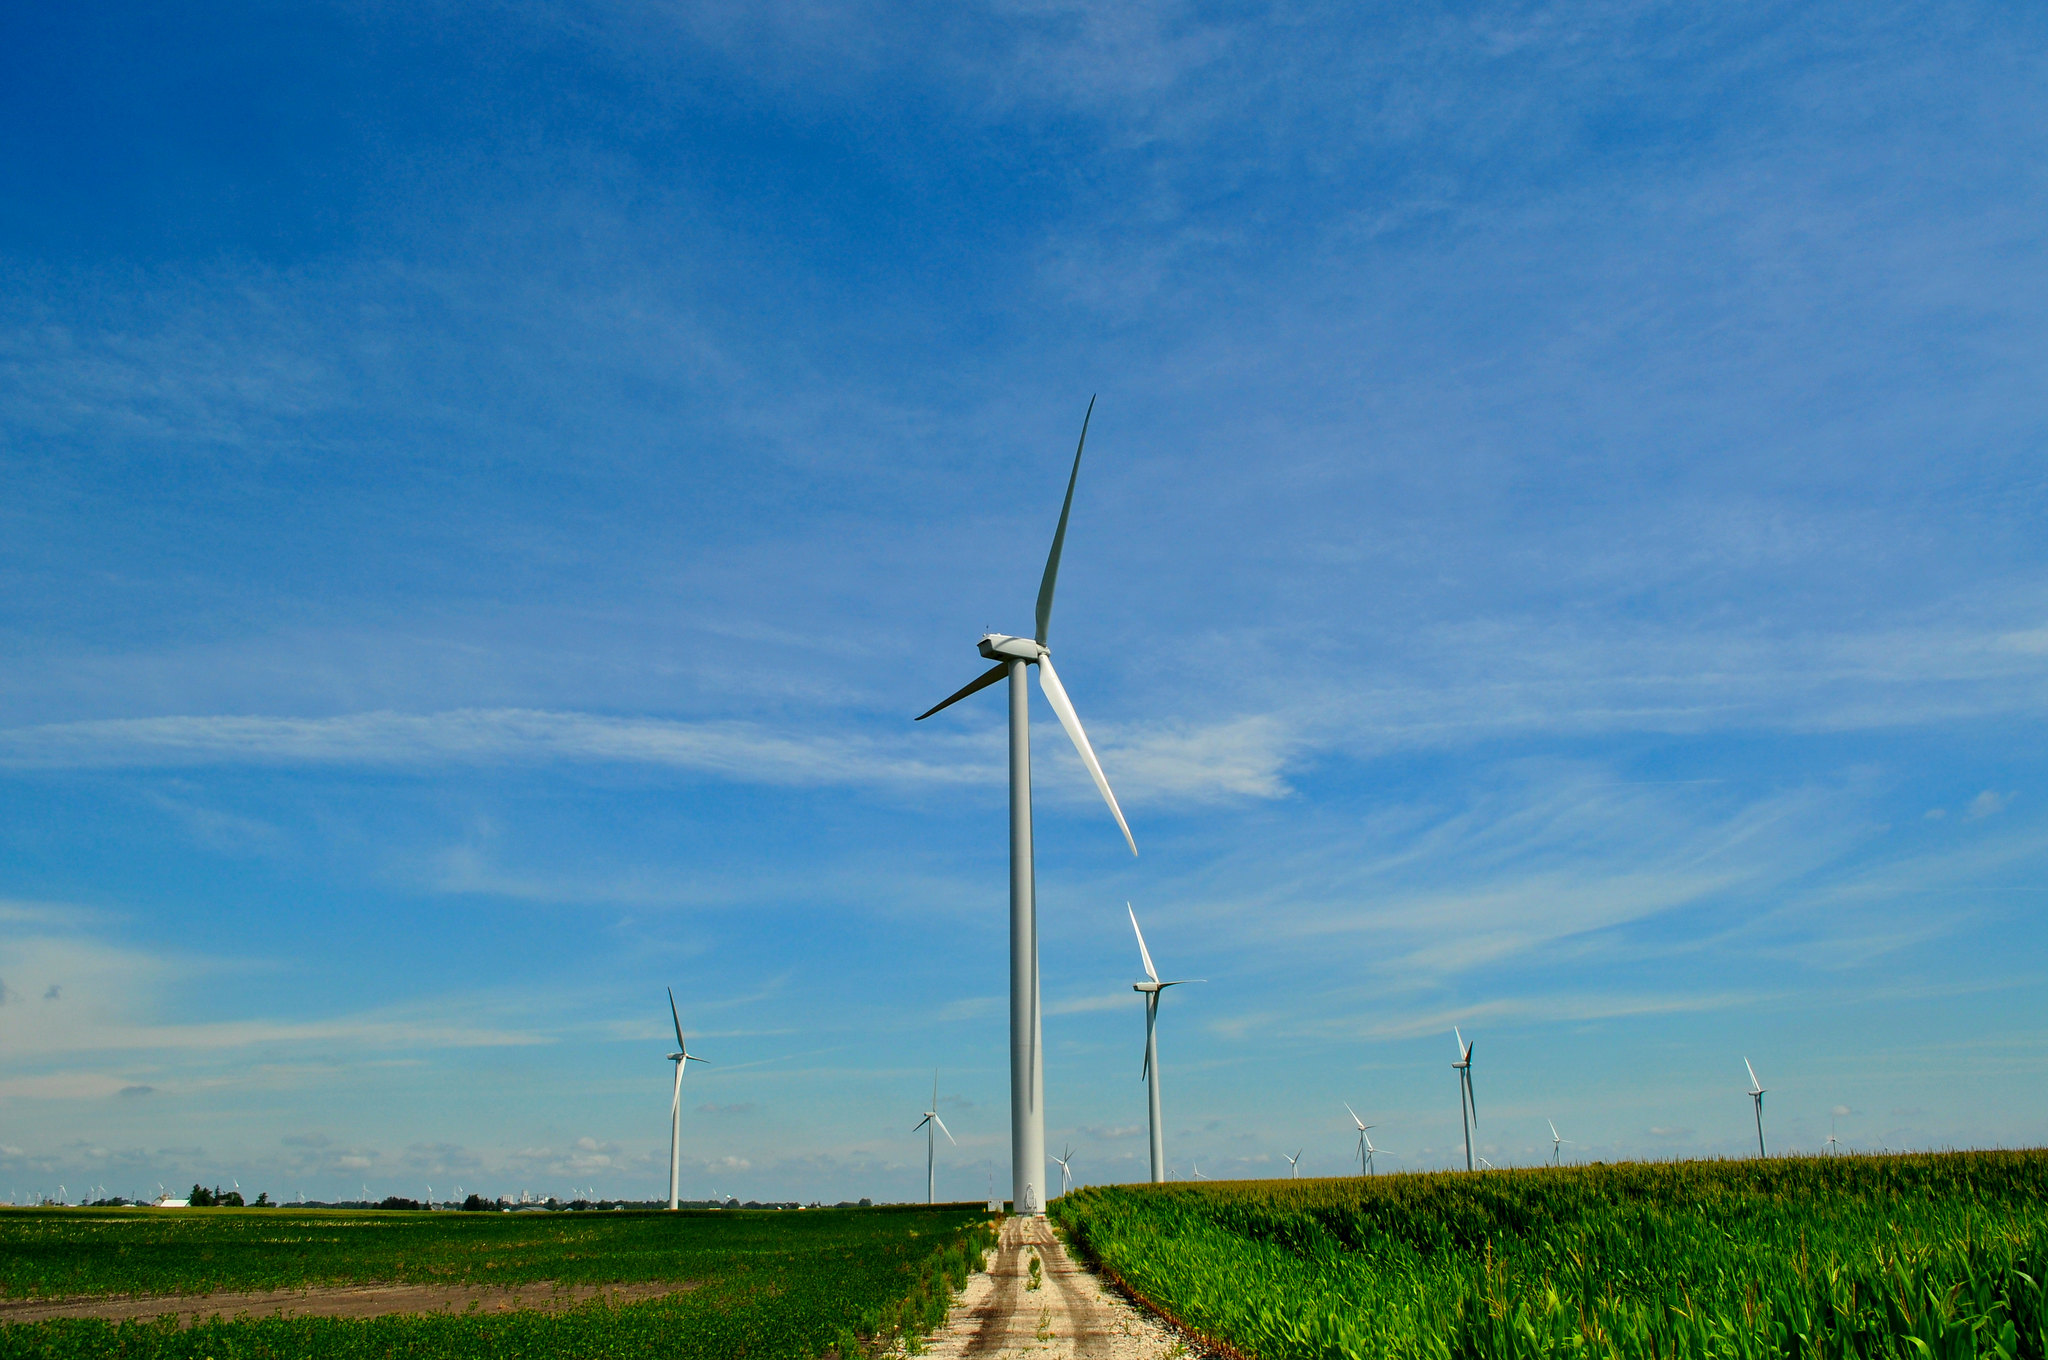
769, 1285
1933, 1257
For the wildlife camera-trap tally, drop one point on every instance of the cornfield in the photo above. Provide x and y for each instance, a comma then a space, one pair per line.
1935, 1257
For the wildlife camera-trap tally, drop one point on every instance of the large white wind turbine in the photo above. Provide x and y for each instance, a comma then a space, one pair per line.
1465, 1100
1756, 1093
930, 1121
1066, 1172
1556, 1143
1153, 989
1012, 656
1294, 1166
1365, 1147
681, 1058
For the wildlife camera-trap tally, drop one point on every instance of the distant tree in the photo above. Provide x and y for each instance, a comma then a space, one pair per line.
398, 1202
231, 1200
477, 1204
201, 1198
263, 1201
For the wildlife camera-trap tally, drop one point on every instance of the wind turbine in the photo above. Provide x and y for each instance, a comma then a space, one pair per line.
1294, 1166
1012, 656
1834, 1144
1153, 990
682, 1057
1556, 1143
1066, 1173
1365, 1147
931, 1148
1756, 1093
1465, 1100
1198, 1171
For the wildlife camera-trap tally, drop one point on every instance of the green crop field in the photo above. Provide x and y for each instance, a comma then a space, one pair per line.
767, 1285
1923, 1258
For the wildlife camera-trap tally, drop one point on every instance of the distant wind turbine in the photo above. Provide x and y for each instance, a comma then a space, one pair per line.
1066, 1172
1198, 1171
1012, 657
1756, 1093
931, 1147
1834, 1145
1152, 989
682, 1057
1294, 1166
1465, 1101
1555, 1143
1364, 1143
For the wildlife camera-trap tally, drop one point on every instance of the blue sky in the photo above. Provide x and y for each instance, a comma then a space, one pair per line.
487, 488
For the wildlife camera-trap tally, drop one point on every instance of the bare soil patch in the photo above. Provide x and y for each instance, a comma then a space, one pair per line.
343, 1301
1064, 1312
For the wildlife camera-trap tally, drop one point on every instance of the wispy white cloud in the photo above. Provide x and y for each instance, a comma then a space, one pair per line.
742, 750
1240, 758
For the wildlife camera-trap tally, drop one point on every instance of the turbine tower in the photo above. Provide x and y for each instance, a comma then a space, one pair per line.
1153, 990
1756, 1093
1465, 1100
1555, 1143
931, 1142
1365, 1147
1012, 656
1066, 1172
681, 1058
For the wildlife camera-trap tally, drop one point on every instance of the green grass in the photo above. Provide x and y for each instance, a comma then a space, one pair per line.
1934, 1257
769, 1285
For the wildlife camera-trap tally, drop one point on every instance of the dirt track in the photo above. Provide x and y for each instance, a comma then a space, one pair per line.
1073, 1315
355, 1301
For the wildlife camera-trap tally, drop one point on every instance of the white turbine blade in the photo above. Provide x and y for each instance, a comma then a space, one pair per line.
681, 1047
1143, 952
1059, 535
943, 1129
1553, 1132
1461, 1042
1354, 1116
1056, 695
920, 1123
1754, 1084
974, 686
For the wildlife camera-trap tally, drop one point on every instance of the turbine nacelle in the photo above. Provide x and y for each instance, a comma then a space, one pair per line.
1003, 647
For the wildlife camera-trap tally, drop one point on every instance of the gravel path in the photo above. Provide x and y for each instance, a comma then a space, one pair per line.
1072, 1315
